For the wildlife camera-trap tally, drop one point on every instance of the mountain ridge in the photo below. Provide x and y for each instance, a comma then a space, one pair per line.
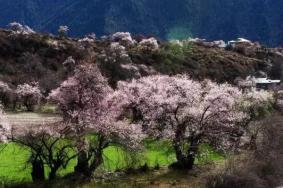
258, 20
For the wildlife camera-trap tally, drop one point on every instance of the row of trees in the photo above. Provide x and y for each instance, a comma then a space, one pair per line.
179, 109
28, 95
18, 28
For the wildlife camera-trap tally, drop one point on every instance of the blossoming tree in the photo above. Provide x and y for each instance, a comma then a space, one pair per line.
115, 54
63, 30
29, 94
148, 45
185, 111
116, 64
124, 38
48, 146
88, 107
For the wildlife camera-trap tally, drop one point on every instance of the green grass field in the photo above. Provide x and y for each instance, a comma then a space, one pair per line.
15, 169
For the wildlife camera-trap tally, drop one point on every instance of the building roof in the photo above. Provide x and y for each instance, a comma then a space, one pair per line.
265, 81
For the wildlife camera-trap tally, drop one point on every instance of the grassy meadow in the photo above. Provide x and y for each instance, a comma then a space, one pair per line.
15, 169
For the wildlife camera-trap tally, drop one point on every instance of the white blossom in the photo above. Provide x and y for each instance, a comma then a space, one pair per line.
149, 44
124, 38
63, 30
115, 53
18, 28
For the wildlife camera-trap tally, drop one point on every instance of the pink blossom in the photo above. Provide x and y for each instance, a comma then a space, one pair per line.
165, 103
89, 104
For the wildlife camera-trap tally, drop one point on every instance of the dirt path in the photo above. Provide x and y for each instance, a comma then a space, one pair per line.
31, 119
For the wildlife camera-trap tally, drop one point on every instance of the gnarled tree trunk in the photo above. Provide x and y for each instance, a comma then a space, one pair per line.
53, 171
192, 152
82, 166
89, 161
37, 173
185, 158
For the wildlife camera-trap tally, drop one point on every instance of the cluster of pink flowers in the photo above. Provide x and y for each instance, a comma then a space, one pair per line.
29, 90
29, 94
166, 103
149, 44
174, 107
84, 99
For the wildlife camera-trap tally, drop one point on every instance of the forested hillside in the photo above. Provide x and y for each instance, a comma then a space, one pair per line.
258, 20
37, 57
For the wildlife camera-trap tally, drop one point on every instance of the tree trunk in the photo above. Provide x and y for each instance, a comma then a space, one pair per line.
181, 158
14, 105
52, 174
82, 167
89, 158
253, 145
192, 152
37, 170
30, 108
185, 159
177, 143
97, 161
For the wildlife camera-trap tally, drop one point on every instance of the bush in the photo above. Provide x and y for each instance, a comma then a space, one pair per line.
259, 169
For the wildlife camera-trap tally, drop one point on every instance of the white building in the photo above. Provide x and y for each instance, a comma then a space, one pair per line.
266, 84
261, 81
258, 82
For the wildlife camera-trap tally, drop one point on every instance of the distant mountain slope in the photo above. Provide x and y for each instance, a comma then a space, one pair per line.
37, 57
260, 20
